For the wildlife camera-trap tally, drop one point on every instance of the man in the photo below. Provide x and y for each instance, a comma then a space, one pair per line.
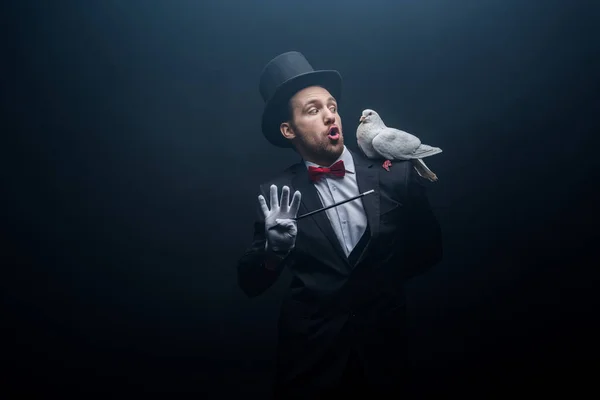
342, 323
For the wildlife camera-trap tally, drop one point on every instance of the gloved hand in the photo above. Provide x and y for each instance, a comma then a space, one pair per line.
280, 228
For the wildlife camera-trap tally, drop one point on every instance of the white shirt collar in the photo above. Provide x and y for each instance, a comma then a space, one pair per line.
346, 157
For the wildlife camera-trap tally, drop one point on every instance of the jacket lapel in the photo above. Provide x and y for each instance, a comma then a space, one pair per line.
310, 202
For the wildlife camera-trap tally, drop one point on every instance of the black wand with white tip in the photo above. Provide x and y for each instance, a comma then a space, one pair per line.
334, 205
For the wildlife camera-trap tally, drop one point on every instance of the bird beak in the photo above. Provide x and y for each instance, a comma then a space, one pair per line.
362, 118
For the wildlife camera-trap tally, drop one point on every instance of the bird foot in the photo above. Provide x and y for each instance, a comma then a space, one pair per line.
386, 165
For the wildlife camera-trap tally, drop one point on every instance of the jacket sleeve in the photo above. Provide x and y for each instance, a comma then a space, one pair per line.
424, 236
257, 268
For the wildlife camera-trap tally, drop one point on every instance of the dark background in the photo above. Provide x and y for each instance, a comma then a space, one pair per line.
132, 151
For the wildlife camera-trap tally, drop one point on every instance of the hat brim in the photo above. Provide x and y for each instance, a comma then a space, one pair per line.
276, 107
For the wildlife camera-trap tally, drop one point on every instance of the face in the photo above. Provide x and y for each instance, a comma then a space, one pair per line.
316, 126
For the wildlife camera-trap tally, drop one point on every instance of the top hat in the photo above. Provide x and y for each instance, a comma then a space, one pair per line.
281, 78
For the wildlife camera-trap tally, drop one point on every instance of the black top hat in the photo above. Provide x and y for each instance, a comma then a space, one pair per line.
281, 78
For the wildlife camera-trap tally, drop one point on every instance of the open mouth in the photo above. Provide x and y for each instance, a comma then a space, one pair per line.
334, 133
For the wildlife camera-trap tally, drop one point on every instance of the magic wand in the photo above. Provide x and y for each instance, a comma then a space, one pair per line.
333, 205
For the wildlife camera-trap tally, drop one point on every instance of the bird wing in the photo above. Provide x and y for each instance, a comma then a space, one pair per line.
425, 150
394, 144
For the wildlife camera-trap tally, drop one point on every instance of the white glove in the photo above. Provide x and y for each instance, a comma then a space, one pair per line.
280, 228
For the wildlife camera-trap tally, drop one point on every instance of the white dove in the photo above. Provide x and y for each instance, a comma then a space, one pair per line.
377, 140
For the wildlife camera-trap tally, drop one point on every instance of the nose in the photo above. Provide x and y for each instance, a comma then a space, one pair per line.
329, 117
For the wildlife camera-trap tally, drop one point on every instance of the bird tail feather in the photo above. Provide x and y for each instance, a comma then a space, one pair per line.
424, 171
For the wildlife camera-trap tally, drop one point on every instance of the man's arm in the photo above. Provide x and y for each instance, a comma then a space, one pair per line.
259, 267
424, 247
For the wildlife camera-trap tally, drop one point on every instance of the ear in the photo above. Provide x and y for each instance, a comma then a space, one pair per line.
287, 131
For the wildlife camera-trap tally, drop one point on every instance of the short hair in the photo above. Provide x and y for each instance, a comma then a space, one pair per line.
287, 112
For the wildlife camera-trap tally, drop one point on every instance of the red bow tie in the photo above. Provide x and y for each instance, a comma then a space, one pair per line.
337, 169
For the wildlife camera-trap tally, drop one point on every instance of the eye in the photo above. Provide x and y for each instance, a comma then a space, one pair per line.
312, 111
370, 113
333, 109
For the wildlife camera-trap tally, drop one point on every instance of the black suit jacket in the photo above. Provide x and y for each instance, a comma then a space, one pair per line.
327, 290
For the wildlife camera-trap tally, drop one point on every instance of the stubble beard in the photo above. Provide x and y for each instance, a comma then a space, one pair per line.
325, 151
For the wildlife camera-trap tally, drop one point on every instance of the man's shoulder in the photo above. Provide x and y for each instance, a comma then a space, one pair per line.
283, 177
397, 171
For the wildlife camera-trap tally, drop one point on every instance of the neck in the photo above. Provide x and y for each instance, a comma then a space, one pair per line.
323, 161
